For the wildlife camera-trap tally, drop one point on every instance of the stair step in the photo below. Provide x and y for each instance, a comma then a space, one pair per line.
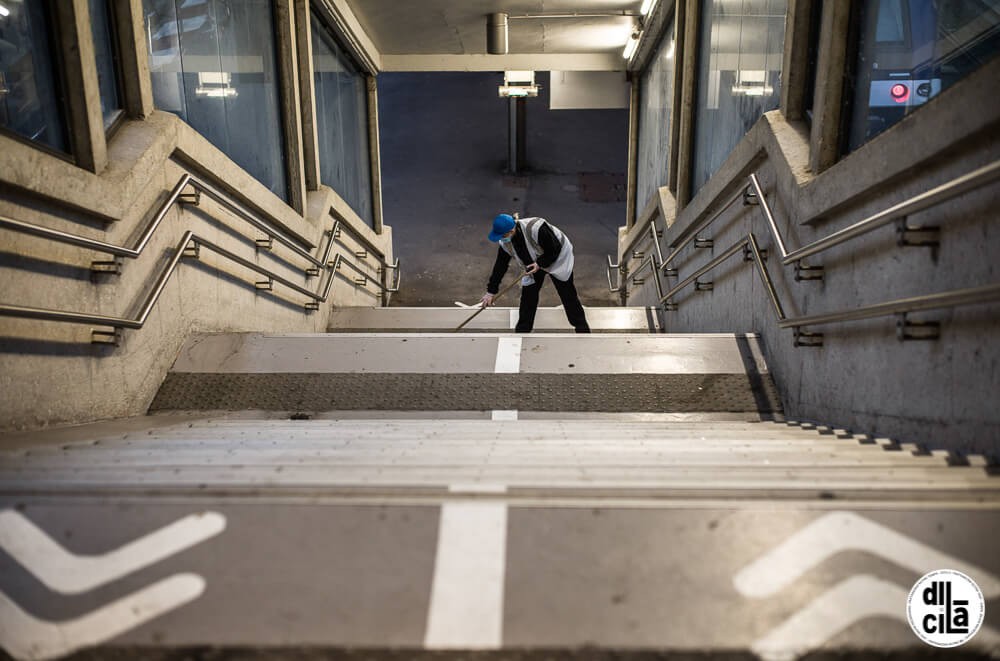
547, 319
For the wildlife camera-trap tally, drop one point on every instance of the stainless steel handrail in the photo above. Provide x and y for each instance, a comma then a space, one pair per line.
651, 263
137, 322
656, 244
945, 299
944, 192
692, 234
101, 246
140, 244
369, 246
936, 195
143, 240
703, 270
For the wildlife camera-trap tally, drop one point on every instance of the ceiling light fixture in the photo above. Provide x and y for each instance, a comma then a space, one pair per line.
518, 83
497, 24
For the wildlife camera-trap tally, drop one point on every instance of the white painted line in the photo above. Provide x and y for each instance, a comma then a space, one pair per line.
69, 573
466, 607
508, 355
855, 599
850, 601
515, 314
27, 637
477, 488
508, 362
837, 532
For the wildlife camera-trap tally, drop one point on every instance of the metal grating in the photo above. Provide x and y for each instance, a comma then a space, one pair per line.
483, 391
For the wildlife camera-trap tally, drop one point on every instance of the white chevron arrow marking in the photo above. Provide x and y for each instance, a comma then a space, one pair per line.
845, 531
26, 637
850, 601
69, 573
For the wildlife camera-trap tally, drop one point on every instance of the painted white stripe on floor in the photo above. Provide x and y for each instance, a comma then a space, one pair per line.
466, 608
508, 355
845, 531
850, 601
69, 573
27, 637
476, 487
505, 415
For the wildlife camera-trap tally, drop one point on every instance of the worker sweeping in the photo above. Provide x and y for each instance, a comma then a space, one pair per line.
540, 248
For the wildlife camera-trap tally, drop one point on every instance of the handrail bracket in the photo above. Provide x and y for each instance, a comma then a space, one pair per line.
917, 235
908, 329
193, 199
807, 338
806, 272
112, 266
112, 337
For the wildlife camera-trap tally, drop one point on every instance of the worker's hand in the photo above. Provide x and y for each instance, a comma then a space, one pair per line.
486, 301
532, 268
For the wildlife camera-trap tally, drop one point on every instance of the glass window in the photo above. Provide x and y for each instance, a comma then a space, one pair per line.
107, 60
656, 97
815, 25
342, 123
30, 96
910, 50
213, 63
739, 76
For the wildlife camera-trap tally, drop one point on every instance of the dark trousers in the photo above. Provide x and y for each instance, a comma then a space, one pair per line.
568, 296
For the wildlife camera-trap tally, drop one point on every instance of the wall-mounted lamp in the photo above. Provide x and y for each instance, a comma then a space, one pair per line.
214, 84
631, 45
752, 83
518, 84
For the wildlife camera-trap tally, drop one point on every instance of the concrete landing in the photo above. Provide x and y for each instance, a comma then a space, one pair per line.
470, 372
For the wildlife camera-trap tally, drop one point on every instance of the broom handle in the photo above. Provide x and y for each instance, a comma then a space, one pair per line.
476, 313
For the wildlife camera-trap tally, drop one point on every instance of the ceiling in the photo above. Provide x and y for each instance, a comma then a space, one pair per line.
434, 34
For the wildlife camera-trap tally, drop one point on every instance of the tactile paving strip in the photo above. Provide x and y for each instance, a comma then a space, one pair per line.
186, 391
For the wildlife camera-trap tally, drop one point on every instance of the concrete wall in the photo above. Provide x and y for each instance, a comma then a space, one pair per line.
943, 392
51, 373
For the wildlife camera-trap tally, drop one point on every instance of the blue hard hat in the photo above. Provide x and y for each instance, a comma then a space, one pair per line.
501, 225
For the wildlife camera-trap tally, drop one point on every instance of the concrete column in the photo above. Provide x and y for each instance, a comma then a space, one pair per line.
688, 60
284, 29
633, 153
795, 65
83, 95
680, 17
516, 135
824, 141
307, 95
137, 87
375, 154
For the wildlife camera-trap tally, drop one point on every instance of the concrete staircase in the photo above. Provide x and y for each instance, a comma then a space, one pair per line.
479, 495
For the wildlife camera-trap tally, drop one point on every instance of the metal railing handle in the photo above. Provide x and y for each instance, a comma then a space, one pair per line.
399, 276
611, 265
